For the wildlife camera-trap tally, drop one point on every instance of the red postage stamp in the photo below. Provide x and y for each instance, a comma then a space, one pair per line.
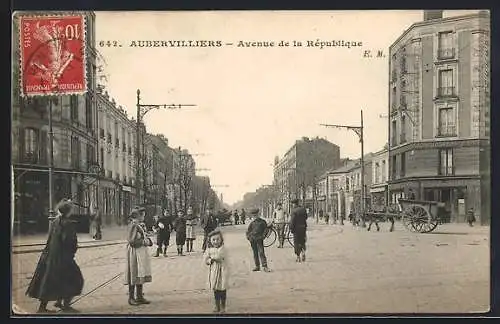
53, 55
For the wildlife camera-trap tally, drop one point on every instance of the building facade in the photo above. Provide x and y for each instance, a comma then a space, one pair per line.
75, 142
298, 171
380, 172
116, 159
440, 114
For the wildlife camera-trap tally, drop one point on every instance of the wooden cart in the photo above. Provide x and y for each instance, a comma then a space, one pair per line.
420, 215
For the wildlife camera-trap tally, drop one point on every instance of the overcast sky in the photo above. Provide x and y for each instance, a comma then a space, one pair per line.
253, 103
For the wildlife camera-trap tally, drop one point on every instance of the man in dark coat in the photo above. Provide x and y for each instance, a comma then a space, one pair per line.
255, 235
243, 216
163, 227
208, 223
57, 276
298, 227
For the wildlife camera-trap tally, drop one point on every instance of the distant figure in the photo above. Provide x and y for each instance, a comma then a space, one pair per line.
190, 230
236, 217
298, 227
96, 223
57, 276
208, 223
412, 195
180, 232
163, 227
471, 217
279, 219
243, 216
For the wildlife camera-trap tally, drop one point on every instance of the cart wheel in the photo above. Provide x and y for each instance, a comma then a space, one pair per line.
270, 237
417, 218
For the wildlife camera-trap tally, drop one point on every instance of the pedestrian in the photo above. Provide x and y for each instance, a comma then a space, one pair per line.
298, 227
255, 235
279, 220
138, 265
243, 216
190, 230
180, 232
470, 217
236, 217
57, 277
215, 257
95, 223
163, 227
208, 223
327, 218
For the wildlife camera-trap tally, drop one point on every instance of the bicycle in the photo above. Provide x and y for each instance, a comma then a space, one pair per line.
272, 234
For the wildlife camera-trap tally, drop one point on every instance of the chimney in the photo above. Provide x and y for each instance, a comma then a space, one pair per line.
433, 14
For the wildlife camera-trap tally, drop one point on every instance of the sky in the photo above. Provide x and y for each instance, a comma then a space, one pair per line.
252, 104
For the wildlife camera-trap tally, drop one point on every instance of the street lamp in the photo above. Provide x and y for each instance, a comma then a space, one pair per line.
359, 131
142, 110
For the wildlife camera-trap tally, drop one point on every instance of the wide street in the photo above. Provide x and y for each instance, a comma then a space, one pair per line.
348, 270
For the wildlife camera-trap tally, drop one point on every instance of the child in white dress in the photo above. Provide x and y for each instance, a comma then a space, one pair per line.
215, 257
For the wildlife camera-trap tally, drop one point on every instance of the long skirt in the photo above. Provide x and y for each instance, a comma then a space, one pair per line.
190, 234
53, 281
138, 266
180, 237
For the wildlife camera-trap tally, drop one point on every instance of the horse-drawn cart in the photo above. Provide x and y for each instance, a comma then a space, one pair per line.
420, 215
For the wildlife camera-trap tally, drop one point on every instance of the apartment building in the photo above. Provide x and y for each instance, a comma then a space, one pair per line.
439, 110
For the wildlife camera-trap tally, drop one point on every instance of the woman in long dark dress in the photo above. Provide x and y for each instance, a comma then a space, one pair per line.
57, 276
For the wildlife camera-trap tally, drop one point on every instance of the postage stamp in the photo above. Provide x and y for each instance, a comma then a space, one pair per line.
52, 53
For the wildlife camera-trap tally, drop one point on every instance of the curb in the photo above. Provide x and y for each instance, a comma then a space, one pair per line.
80, 247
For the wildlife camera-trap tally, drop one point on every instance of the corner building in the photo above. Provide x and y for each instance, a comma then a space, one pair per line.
439, 108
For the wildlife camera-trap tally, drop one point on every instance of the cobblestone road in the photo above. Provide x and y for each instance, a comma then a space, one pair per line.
349, 270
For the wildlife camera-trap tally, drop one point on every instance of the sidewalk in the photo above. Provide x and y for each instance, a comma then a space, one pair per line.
35, 243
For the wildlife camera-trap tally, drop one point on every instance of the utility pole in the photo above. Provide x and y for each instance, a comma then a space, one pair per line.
51, 163
142, 110
359, 131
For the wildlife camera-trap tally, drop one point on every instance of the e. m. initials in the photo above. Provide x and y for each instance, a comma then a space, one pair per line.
368, 54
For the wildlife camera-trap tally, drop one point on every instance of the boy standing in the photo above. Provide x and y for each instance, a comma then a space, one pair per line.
255, 235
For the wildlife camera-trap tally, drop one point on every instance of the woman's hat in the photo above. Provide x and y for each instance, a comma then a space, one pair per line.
64, 206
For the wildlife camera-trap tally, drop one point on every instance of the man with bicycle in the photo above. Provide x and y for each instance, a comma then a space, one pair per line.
279, 222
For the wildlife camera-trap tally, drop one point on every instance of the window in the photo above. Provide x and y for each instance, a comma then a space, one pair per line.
347, 187
403, 130
393, 167
101, 133
445, 46
73, 104
394, 101
383, 171
75, 152
393, 140
446, 162
377, 172
30, 145
446, 86
446, 119
102, 158
403, 164
90, 154
88, 113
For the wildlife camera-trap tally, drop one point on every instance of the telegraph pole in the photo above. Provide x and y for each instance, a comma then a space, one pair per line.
51, 163
359, 131
142, 110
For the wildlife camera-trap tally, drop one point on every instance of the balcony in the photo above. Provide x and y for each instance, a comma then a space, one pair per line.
447, 131
446, 92
446, 54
